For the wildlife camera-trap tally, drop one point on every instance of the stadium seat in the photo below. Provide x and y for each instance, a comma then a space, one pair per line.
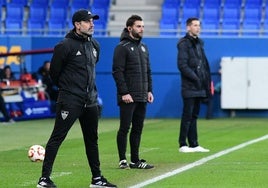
100, 28
13, 27
251, 28
232, 3
170, 12
212, 4
252, 14
19, 2
56, 27
192, 3
58, 13
60, 3
168, 28
37, 12
101, 3
230, 28
14, 12
253, 3
3, 2
35, 27
174, 3
211, 14
80, 4
102, 12
189, 12
210, 28
40, 3
231, 14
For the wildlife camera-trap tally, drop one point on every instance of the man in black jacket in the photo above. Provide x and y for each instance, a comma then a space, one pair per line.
73, 71
195, 84
132, 75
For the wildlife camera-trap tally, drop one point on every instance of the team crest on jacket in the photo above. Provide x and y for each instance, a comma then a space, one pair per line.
143, 49
94, 52
64, 114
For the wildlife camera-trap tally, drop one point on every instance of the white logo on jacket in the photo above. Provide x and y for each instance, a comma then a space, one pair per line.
94, 52
78, 53
64, 114
143, 49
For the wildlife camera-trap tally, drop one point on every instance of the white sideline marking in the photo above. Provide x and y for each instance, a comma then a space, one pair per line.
55, 175
199, 162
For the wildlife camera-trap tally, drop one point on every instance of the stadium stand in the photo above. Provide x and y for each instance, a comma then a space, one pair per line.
162, 17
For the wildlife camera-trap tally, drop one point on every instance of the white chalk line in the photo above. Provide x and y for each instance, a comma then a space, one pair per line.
198, 163
55, 175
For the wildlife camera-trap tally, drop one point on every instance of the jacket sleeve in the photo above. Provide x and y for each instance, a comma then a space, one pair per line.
119, 64
183, 61
57, 62
149, 73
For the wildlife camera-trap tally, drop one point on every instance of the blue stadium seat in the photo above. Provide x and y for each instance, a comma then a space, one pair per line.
251, 28
58, 13
252, 14
13, 27
56, 27
212, 3
35, 27
101, 3
19, 2
230, 28
37, 13
232, 3
253, 3
3, 2
170, 12
211, 14
85, 4
168, 28
14, 12
60, 3
100, 28
40, 3
102, 12
210, 28
231, 14
174, 3
192, 3
189, 12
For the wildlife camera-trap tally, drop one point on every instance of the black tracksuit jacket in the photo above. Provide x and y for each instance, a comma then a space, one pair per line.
194, 68
73, 69
131, 69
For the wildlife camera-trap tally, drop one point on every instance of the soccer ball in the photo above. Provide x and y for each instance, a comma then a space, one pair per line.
36, 153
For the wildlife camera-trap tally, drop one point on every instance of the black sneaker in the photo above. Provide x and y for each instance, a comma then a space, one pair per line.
141, 164
45, 183
101, 182
123, 164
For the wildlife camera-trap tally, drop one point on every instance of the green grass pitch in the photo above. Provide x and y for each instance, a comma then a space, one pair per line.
246, 167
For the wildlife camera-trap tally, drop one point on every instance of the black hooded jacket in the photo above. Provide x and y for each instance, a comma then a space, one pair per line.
72, 69
193, 65
131, 69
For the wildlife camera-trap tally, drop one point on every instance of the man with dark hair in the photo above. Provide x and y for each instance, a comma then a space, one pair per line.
73, 71
195, 84
132, 75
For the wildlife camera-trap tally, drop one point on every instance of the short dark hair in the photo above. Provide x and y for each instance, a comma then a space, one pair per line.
132, 19
190, 20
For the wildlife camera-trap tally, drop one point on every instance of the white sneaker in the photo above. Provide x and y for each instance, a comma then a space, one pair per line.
185, 149
199, 149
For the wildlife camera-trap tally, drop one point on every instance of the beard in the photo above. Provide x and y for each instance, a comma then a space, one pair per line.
136, 35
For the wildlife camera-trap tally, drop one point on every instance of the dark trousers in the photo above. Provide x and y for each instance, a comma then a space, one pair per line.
3, 108
188, 127
66, 115
131, 114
